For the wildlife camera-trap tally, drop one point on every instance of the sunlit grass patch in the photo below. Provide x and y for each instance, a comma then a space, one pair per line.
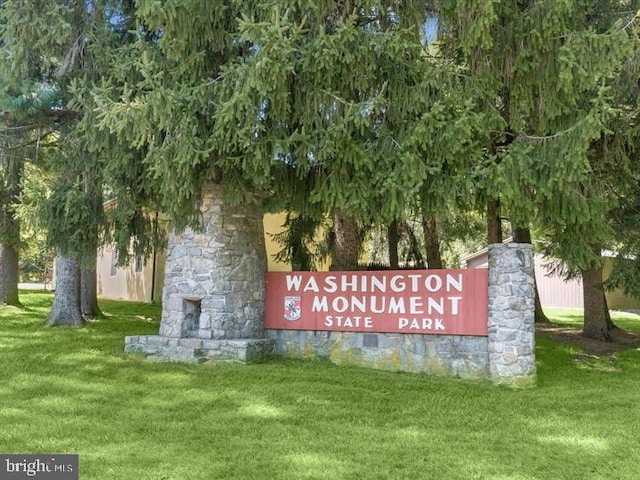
574, 317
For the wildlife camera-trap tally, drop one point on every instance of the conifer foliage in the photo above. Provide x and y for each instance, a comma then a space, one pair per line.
60, 47
338, 109
543, 74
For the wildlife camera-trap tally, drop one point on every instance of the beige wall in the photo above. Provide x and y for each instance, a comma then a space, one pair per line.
554, 291
478, 261
616, 299
126, 283
273, 224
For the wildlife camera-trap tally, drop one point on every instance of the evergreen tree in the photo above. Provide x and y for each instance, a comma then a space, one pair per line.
581, 221
309, 102
24, 119
541, 71
66, 46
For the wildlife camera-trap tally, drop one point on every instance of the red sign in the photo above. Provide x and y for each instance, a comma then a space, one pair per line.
445, 302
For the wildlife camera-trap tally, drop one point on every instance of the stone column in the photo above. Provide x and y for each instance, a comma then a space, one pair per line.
511, 315
214, 288
214, 278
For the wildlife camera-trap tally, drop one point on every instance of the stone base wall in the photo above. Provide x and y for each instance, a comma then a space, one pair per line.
212, 315
195, 350
445, 355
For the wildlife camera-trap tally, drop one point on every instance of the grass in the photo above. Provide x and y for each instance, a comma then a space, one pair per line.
68, 390
573, 317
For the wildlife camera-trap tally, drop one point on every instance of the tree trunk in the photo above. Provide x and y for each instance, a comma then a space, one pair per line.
346, 247
523, 235
10, 188
393, 238
66, 308
9, 275
431, 241
539, 316
494, 222
595, 307
89, 290
88, 278
414, 247
610, 324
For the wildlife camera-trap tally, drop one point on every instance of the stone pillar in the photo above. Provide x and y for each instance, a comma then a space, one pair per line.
511, 314
214, 278
214, 288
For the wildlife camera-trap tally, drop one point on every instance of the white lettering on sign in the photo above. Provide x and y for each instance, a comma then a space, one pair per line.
397, 284
339, 321
420, 323
414, 283
379, 284
451, 282
330, 284
455, 301
396, 305
293, 283
417, 301
312, 285
433, 283
320, 304
390, 305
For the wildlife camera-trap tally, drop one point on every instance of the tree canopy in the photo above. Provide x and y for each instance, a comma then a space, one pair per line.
347, 108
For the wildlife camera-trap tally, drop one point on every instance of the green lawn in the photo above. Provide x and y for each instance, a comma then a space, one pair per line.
69, 390
572, 317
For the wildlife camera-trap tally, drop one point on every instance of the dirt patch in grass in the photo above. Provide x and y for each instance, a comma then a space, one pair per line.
620, 339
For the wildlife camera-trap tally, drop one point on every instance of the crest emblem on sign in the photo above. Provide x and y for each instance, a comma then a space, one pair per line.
292, 308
